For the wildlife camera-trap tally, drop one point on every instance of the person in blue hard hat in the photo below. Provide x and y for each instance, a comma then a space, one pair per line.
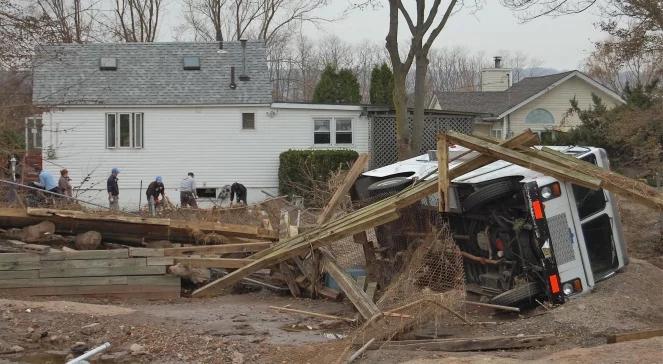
113, 190
155, 189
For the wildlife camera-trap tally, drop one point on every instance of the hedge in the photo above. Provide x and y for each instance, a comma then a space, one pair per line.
301, 170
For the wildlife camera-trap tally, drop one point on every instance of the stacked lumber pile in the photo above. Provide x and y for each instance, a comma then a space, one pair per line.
128, 228
135, 272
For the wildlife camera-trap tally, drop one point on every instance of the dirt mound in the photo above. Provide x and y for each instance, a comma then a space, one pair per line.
643, 231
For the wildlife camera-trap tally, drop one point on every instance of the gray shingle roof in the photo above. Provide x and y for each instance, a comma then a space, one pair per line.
496, 102
150, 74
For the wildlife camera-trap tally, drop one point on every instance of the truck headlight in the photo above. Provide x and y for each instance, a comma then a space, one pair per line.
567, 288
550, 191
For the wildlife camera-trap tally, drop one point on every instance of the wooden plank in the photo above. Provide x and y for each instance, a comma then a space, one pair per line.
18, 257
471, 344
25, 265
370, 290
246, 231
94, 263
19, 274
443, 172
634, 335
166, 261
162, 280
218, 249
58, 282
361, 282
146, 252
357, 296
86, 254
524, 160
289, 279
115, 290
357, 168
102, 272
81, 215
214, 262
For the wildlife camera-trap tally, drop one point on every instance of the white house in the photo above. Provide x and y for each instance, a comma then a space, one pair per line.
538, 103
165, 109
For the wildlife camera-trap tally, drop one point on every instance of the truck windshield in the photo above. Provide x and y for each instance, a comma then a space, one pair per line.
600, 246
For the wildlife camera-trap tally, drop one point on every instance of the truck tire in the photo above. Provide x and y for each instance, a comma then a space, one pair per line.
389, 185
517, 294
490, 193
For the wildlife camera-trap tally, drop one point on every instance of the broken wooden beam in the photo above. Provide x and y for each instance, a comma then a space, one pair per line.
470, 344
634, 335
350, 178
217, 249
443, 173
214, 262
353, 292
524, 160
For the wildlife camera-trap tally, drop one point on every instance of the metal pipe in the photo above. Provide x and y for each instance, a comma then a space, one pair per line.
60, 195
103, 347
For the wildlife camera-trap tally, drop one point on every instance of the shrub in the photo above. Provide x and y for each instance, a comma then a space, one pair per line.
302, 171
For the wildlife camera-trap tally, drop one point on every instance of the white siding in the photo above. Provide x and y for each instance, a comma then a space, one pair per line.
557, 102
208, 141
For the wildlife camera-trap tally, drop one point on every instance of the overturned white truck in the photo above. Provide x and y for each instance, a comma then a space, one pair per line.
523, 234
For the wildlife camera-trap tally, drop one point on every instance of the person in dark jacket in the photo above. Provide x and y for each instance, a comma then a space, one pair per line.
113, 190
238, 189
155, 189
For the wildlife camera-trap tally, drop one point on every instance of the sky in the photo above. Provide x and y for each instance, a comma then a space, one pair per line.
561, 42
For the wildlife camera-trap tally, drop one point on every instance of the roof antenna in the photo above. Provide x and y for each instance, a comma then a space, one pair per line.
233, 85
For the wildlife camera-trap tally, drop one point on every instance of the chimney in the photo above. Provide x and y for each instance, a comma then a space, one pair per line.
233, 85
243, 76
498, 61
497, 78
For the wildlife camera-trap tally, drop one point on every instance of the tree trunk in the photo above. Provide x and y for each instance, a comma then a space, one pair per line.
419, 103
403, 133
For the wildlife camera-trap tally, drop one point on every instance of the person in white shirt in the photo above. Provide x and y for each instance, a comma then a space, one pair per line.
188, 194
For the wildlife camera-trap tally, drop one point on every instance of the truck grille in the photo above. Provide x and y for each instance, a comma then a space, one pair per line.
561, 239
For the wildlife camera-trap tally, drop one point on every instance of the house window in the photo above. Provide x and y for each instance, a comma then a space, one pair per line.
33, 133
540, 116
322, 132
343, 131
496, 134
124, 130
248, 120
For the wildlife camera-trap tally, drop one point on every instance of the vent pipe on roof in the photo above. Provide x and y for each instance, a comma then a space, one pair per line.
498, 61
233, 85
243, 76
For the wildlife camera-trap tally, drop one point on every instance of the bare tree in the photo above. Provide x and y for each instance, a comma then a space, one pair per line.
26, 24
260, 19
137, 20
423, 32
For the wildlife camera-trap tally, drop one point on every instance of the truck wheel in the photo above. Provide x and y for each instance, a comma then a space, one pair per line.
393, 184
490, 193
517, 294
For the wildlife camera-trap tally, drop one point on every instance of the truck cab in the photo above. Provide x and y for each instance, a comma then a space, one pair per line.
522, 234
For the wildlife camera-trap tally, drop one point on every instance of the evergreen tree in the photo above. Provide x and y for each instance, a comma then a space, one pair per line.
337, 87
382, 86
348, 87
